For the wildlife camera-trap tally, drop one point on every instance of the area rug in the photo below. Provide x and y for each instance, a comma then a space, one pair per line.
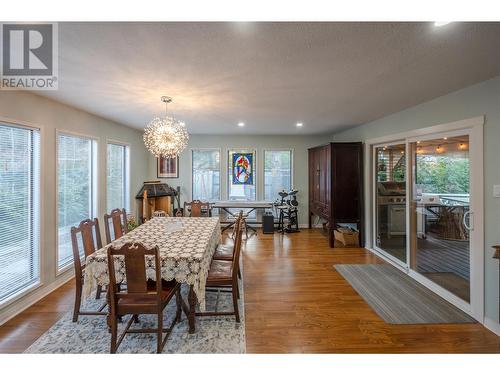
397, 298
219, 334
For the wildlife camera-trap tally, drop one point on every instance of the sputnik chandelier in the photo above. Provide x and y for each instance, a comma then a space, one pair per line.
165, 137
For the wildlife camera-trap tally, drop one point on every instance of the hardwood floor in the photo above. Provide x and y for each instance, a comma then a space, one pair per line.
20, 332
295, 302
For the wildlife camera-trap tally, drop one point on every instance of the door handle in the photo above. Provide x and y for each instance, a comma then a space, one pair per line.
470, 224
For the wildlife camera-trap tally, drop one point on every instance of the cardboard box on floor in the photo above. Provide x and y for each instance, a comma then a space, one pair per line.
347, 237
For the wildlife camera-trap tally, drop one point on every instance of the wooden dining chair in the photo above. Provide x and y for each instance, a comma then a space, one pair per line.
140, 296
226, 251
118, 220
91, 241
197, 208
224, 274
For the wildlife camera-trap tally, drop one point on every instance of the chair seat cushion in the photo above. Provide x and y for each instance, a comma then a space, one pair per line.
130, 304
220, 270
142, 300
224, 252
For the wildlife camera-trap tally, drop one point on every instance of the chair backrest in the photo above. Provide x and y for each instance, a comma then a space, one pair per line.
133, 254
160, 213
237, 244
198, 208
118, 220
91, 241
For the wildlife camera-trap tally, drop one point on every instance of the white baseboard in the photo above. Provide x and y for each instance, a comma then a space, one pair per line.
19, 306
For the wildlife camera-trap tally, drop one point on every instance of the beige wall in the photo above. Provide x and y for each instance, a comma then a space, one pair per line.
49, 115
298, 143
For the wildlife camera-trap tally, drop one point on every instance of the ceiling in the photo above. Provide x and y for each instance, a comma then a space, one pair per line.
329, 76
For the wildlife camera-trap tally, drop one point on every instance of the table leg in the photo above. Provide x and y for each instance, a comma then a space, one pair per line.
192, 307
231, 224
227, 227
108, 315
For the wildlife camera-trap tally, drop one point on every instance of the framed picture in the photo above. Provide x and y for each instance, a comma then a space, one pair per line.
242, 168
167, 167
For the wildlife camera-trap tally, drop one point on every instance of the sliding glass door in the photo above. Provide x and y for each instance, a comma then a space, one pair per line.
440, 212
390, 201
427, 211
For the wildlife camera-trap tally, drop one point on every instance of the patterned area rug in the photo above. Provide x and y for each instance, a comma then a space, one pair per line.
397, 298
218, 334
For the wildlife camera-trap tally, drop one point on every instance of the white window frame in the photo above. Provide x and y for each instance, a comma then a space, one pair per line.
94, 183
221, 168
292, 169
38, 222
126, 186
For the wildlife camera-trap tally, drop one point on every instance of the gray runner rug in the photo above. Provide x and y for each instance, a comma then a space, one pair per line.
397, 298
217, 334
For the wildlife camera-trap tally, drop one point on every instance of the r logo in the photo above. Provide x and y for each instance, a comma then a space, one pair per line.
27, 50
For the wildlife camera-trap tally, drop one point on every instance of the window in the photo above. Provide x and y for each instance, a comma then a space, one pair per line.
206, 175
117, 172
277, 172
76, 201
19, 209
241, 191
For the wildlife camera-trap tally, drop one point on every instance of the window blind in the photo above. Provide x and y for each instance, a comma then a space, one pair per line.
76, 168
117, 177
277, 173
206, 175
19, 209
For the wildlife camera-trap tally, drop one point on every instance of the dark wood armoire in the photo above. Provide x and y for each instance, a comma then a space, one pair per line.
336, 186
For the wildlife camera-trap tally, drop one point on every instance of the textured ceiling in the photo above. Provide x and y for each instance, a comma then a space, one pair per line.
269, 75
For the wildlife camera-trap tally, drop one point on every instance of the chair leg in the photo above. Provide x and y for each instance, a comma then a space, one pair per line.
237, 288
78, 301
114, 334
178, 301
235, 302
98, 292
159, 338
136, 318
246, 228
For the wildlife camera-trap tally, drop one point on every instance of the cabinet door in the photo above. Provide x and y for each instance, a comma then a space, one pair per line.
324, 183
347, 182
315, 174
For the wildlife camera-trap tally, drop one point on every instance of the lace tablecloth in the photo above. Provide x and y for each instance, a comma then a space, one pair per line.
186, 245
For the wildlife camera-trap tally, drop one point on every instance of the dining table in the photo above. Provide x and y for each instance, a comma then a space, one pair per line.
241, 205
186, 246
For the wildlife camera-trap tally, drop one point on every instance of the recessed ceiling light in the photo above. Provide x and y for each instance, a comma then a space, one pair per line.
441, 23
299, 124
241, 124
